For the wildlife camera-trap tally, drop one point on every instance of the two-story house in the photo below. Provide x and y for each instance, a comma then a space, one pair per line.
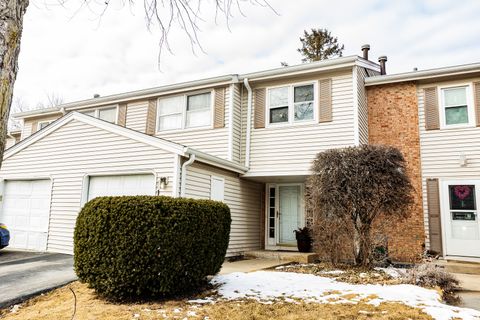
245, 139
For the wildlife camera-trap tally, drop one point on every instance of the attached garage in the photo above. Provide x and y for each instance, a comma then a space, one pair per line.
121, 185
26, 211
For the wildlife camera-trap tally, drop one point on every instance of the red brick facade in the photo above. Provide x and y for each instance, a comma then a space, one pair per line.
393, 120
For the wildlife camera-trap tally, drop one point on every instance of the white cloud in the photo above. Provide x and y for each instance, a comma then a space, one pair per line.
73, 54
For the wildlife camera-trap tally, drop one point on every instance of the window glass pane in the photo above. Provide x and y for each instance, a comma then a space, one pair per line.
198, 102
462, 197
278, 96
303, 111
198, 118
278, 115
170, 105
43, 124
455, 96
303, 93
108, 114
456, 115
170, 122
90, 113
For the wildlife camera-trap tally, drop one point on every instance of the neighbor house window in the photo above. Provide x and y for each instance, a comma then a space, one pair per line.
457, 109
186, 111
108, 114
290, 104
43, 124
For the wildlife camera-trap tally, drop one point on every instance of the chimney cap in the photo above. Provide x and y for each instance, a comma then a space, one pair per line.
415, 69
366, 46
96, 95
382, 58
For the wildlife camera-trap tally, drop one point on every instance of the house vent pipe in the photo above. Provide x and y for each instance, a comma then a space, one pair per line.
382, 60
183, 183
249, 123
365, 49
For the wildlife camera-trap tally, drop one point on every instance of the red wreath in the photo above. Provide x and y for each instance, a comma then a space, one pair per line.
462, 192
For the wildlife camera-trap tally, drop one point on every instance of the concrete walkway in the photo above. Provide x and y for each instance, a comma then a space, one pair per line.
470, 293
250, 265
26, 274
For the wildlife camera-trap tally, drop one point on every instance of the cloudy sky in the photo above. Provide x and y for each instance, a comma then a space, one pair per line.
70, 52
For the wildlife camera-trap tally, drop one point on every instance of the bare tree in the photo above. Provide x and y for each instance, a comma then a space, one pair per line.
53, 99
165, 14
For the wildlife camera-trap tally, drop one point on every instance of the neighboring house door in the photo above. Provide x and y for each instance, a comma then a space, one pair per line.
460, 217
26, 211
121, 185
285, 213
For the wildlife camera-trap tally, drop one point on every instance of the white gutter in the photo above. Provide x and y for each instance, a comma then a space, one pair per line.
249, 122
183, 183
216, 161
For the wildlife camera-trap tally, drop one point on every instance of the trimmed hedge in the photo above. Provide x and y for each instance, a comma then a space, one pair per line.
145, 246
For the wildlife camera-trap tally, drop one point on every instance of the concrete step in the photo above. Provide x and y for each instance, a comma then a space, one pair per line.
286, 256
460, 267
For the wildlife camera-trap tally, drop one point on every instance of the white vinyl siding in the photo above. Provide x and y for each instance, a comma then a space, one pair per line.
212, 141
137, 116
290, 149
244, 199
9, 142
70, 153
441, 150
28, 124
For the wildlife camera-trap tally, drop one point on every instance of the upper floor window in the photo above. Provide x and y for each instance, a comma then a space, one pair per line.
108, 114
186, 111
456, 106
43, 124
291, 104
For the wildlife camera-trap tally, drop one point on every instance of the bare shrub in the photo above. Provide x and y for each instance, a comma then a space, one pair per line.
352, 189
431, 276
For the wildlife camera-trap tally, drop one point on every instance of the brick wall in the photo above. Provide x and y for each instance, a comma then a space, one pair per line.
393, 120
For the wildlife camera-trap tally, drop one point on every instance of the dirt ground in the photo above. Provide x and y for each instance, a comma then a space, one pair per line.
60, 304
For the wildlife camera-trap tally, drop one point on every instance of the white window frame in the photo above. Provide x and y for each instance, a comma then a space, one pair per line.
222, 180
97, 112
40, 122
184, 112
291, 104
470, 106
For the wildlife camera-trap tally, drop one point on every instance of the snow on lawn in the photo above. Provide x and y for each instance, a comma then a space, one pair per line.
266, 286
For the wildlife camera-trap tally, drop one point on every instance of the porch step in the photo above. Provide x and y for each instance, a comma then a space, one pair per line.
459, 266
286, 256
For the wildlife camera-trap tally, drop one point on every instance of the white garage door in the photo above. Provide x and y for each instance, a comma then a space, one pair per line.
125, 185
25, 211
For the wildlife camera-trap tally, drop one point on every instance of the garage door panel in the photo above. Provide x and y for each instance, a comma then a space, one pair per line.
124, 185
25, 211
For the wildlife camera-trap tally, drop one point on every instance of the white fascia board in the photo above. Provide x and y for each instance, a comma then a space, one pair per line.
216, 161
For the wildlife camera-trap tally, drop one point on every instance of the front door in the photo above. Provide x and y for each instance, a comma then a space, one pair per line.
460, 216
285, 214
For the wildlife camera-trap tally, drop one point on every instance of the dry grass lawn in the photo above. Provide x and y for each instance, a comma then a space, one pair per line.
59, 304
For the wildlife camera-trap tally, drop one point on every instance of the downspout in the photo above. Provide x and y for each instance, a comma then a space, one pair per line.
183, 183
249, 123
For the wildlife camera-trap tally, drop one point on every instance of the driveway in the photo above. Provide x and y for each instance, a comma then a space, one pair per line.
26, 274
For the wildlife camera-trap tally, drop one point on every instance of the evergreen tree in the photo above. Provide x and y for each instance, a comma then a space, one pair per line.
319, 44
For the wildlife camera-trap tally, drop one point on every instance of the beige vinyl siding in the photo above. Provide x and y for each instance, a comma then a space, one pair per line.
9, 142
237, 123
30, 125
440, 151
242, 196
362, 106
289, 149
137, 116
209, 140
73, 151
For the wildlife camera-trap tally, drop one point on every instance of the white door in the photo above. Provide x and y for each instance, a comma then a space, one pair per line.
26, 211
121, 185
460, 216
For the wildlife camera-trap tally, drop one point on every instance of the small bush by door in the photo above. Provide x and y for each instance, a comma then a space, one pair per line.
141, 246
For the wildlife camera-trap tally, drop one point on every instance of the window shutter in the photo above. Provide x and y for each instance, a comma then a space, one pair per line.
151, 117
325, 100
219, 108
34, 126
432, 119
122, 114
476, 95
434, 216
259, 108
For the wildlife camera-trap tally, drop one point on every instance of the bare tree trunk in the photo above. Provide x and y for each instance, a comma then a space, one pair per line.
362, 243
11, 25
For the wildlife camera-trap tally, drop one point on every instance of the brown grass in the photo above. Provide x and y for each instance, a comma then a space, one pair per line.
59, 304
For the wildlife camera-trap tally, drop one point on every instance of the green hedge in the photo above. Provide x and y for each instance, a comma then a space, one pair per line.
143, 246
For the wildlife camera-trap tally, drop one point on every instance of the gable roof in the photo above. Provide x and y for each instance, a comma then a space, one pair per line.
160, 143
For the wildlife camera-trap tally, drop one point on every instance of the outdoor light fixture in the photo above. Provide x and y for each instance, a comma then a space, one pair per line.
163, 182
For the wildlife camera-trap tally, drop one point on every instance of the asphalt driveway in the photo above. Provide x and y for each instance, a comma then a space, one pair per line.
26, 274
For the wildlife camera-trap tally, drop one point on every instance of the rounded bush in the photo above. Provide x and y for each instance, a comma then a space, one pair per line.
144, 246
